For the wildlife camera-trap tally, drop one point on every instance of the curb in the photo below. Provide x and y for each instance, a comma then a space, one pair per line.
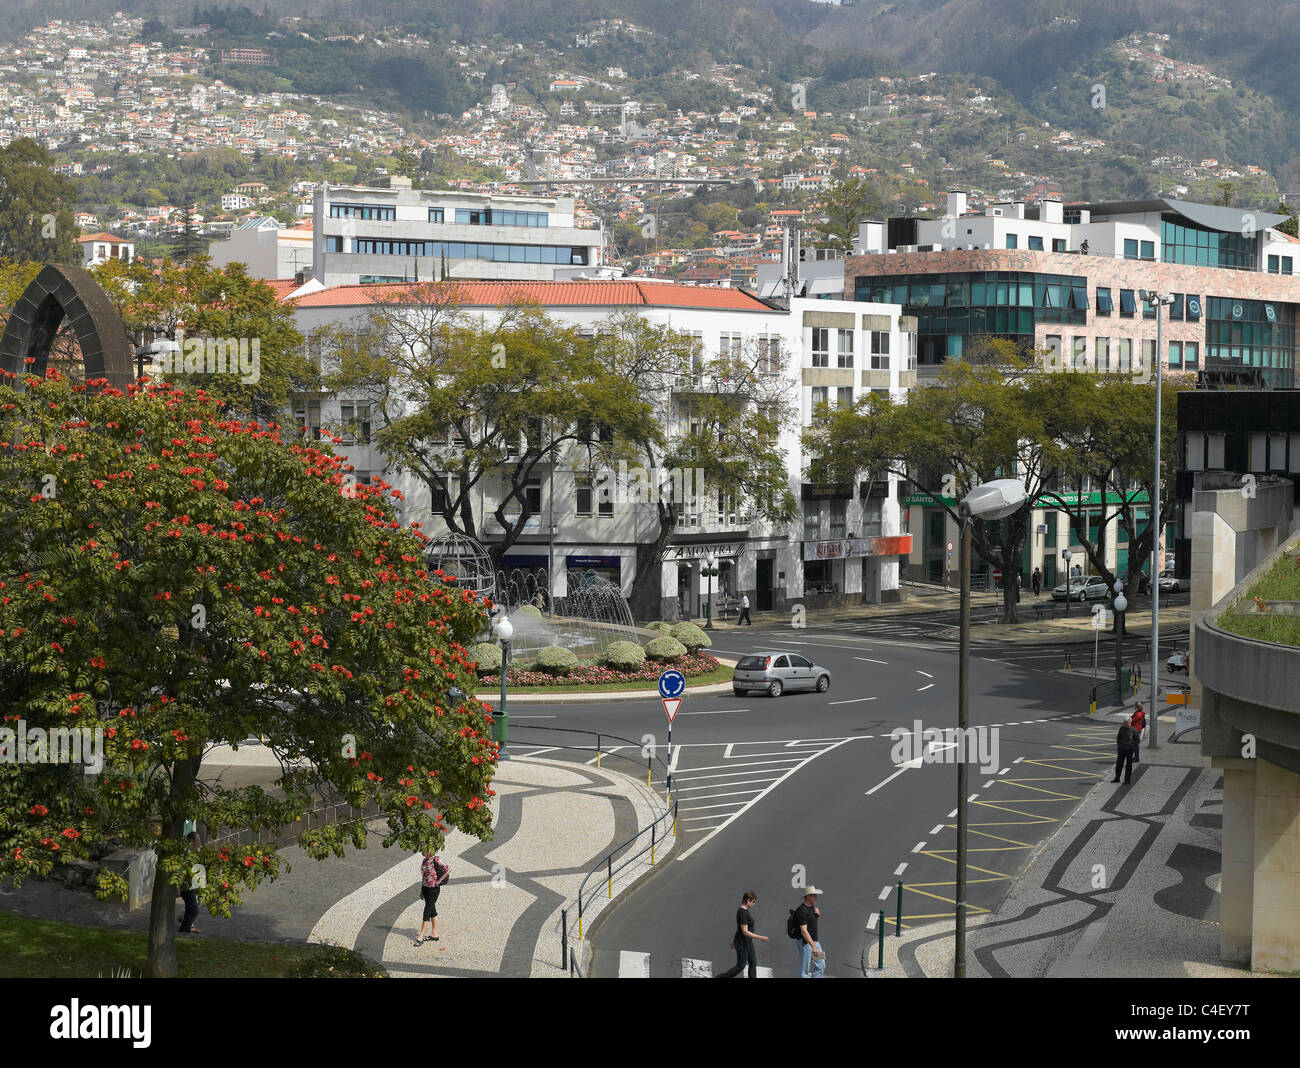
616, 695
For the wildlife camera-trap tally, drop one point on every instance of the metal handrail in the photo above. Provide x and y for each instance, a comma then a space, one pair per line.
606, 864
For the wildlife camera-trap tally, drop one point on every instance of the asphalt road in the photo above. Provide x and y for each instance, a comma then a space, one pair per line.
779, 793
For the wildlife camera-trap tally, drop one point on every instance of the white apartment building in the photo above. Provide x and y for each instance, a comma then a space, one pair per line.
395, 233
844, 548
266, 247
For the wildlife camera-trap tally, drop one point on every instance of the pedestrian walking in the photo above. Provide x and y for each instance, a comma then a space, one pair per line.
744, 611
1083, 246
1125, 745
434, 874
802, 926
1139, 722
190, 895
1037, 581
744, 938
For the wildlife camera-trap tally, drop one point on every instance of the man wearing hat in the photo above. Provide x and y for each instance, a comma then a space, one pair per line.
810, 950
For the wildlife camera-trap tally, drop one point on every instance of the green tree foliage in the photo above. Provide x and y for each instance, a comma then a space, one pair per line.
179, 580
36, 207
844, 206
1292, 225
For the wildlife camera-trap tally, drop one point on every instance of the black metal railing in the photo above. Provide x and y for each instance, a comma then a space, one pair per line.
647, 840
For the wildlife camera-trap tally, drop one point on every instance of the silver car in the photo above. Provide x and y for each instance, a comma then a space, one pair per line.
777, 672
1083, 588
1171, 583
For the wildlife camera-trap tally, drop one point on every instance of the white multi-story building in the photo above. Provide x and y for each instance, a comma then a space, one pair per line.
846, 544
396, 233
267, 247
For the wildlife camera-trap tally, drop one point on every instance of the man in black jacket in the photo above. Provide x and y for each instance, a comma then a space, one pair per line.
1126, 742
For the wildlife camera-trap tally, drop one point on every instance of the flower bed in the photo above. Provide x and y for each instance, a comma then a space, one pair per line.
596, 675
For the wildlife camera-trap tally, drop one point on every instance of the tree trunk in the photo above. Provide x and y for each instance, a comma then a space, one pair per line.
647, 585
161, 962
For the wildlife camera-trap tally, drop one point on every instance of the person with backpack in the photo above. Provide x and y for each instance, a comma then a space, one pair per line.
802, 926
743, 942
1139, 722
1125, 744
434, 873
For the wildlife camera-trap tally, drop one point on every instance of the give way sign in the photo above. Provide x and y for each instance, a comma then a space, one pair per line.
671, 705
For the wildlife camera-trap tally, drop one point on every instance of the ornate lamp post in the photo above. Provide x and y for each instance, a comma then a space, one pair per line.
710, 569
505, 631
1121, 605
1065, 555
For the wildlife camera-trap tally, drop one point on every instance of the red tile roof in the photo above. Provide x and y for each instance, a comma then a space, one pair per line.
620, 293
106, 238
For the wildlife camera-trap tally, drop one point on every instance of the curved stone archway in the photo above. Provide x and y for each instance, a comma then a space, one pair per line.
60, 291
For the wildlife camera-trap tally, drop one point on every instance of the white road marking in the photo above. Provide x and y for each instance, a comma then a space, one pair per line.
1018, 760
952, 813
689, 773
901, 868
902, 768
972, 797
925, 673
714, 786
988, 784
726, 753
936, 830
870, 661
1004, 771
672, 764
750, 804
871, 922
734, 793
918, 847
886, 892
513, 716
705, 808
720, 712
853, 701
633, 965
927, 686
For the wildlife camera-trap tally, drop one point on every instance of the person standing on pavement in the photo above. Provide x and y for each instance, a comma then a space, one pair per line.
1037, 581
1139, 722
433, 876
743, 942
1125, 745
744, 611
191, 896
806, 918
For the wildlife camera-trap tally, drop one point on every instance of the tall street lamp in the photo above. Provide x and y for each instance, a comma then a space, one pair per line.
505, 631
710, 569
1121, 605
1158, 301
1065, 555
993, 500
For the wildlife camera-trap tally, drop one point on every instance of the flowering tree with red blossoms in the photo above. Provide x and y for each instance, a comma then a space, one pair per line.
181, 580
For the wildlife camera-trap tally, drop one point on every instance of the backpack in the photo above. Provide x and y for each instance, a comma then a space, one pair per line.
792, 926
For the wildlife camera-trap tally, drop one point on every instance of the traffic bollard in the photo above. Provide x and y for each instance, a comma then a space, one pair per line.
880, 956
898, 918
564, 937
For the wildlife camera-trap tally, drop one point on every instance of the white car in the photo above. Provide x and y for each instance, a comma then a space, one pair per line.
1170, 583
1177, 661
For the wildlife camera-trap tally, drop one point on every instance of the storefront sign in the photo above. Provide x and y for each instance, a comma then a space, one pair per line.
698, 551
594, 561
856, 548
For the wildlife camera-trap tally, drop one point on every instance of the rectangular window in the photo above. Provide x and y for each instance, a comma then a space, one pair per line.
1035, 243
1176, 308
769, 355
880, 350
1101, 354
436, 215
1123, 355
1286, 264
441, 500
1080, 353
1274, 265
333, 244
911, 352
1127, 304
356, 422
1104, 305
381, 212
820, 395
1079, 299
1130, 248
533, 495
812, 521
821, 346
846, 348
1148, 353
1011, 241
1191, 354
1175, 354
839, 518
307, 415
1148, 250
1058, 244
582, 494
844, 396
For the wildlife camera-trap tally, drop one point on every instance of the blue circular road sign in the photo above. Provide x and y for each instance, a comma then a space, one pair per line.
672, 683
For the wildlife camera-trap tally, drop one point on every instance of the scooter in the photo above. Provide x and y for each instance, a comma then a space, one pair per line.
1177, 661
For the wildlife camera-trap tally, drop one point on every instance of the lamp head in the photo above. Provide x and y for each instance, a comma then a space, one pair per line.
505, 629
1121, 603
994, 500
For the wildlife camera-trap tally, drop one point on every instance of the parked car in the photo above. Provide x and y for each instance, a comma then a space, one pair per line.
777, 672
1170, 583
1177, 661
1083, 588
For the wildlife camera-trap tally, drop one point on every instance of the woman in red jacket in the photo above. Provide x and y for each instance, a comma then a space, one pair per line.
1138, 722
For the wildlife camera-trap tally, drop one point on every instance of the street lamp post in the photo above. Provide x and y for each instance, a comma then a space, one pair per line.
1065, 555
710, 569
993, 500
1158, 301
1121, 605
500, 722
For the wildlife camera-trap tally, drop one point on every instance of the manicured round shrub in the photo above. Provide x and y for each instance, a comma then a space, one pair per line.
665, 649
487, 656
660, 626
528, 611
556, 660
624, 656
691, 636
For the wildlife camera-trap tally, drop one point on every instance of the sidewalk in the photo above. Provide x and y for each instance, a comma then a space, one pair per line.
1128, 886
499, 913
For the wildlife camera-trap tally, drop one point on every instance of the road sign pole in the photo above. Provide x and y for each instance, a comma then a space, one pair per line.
670, 756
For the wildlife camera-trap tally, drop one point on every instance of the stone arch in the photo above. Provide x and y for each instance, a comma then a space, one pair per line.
60, 291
